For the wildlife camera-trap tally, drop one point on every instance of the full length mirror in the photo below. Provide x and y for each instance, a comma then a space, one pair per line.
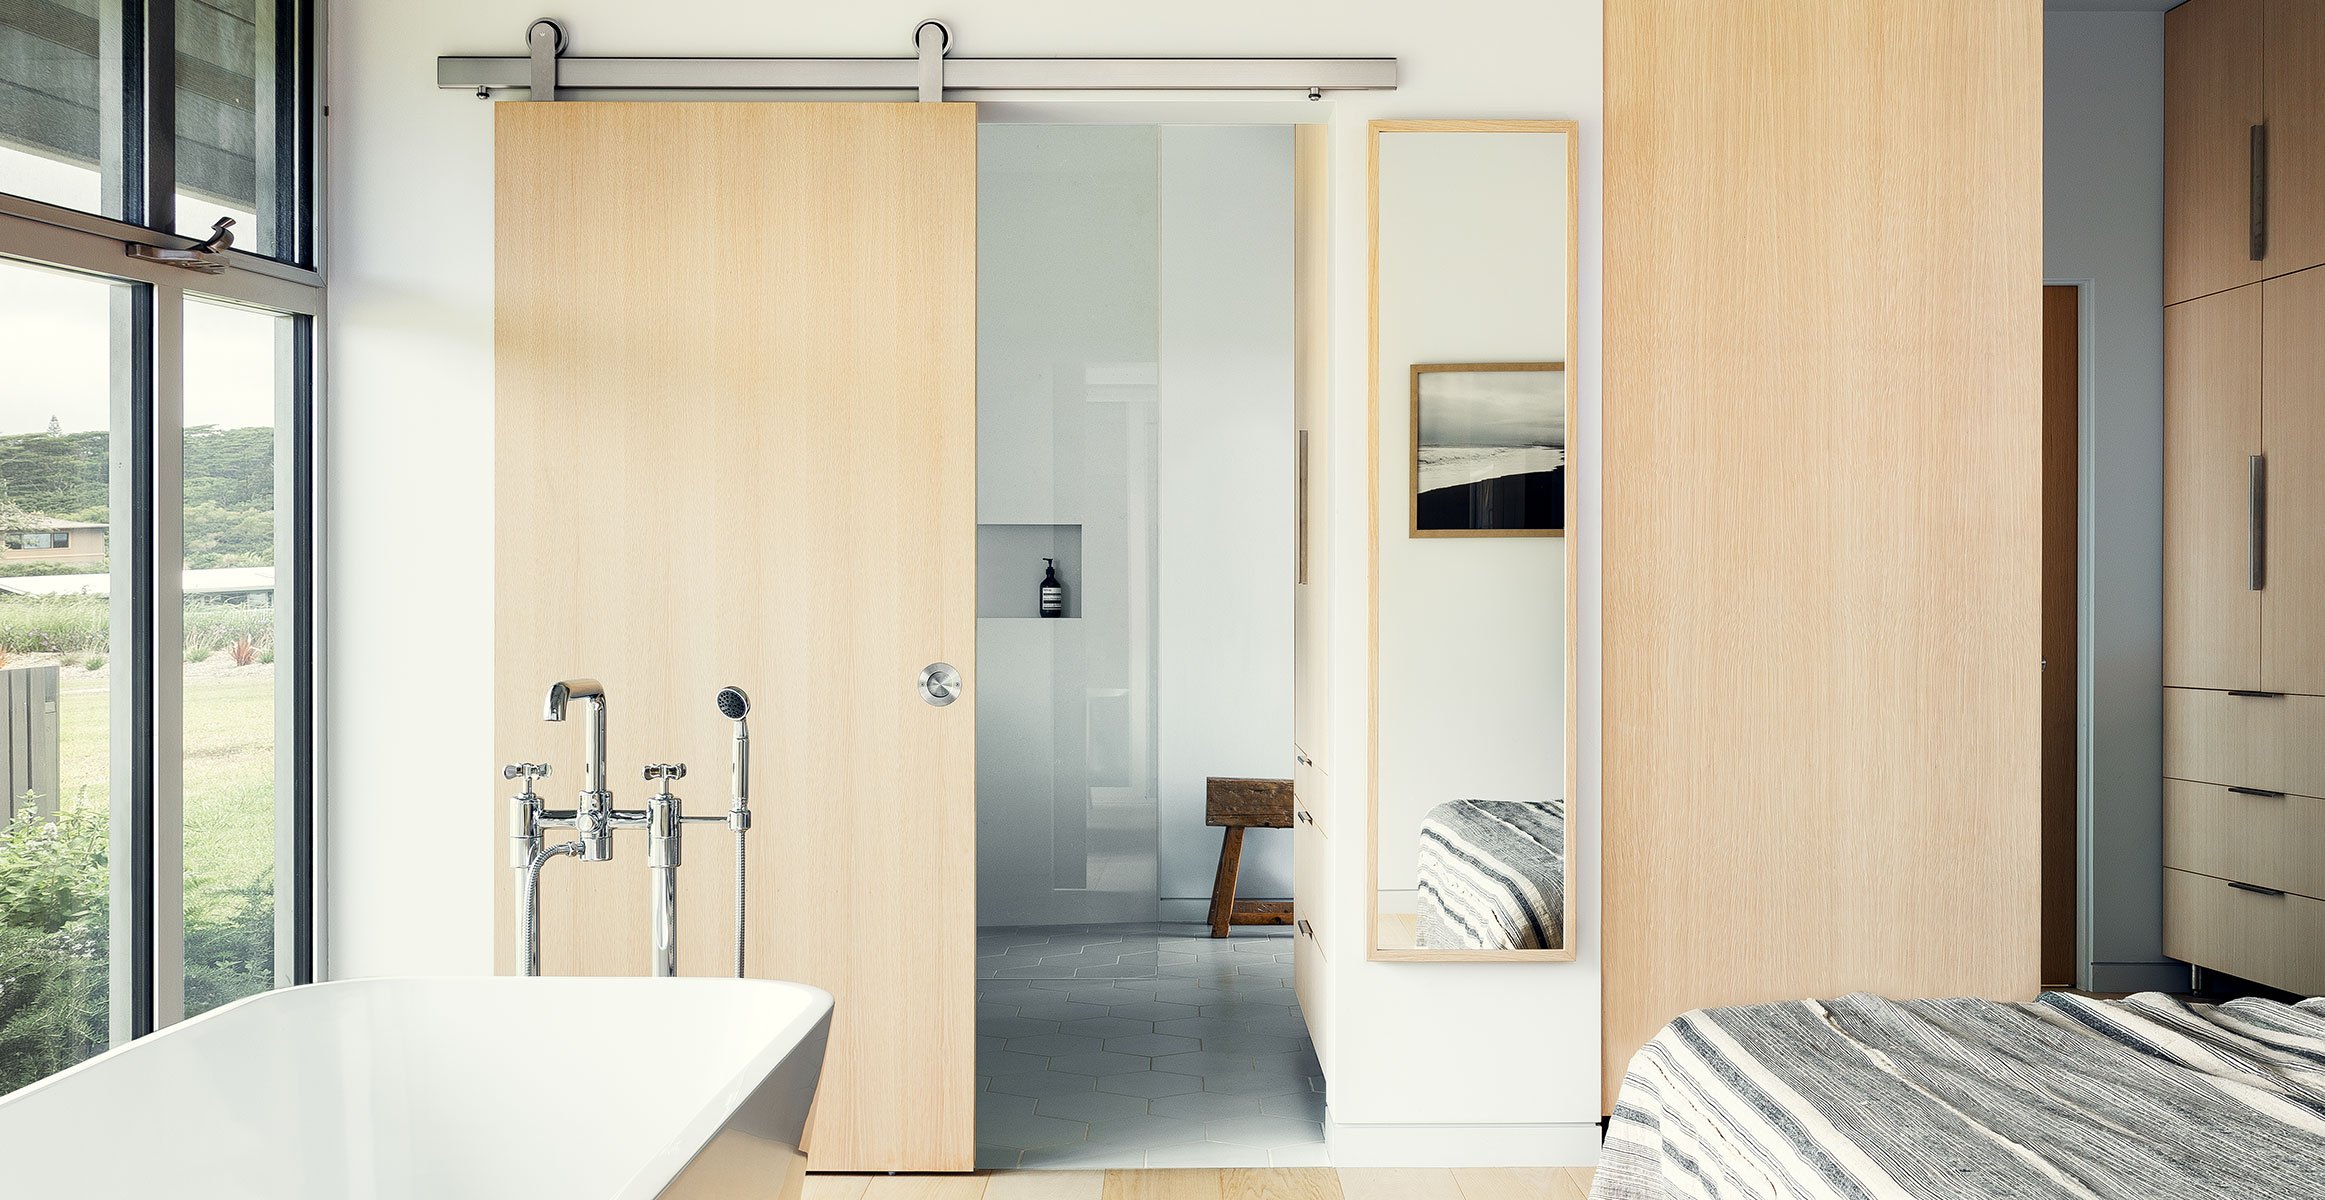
1473, 293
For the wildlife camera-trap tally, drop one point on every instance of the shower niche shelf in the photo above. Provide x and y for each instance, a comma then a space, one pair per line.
1009, 569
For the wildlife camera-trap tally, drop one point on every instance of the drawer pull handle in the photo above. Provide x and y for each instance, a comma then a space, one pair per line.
2251, 695
1306, 930
2255, 889
2245, 791
1304, 818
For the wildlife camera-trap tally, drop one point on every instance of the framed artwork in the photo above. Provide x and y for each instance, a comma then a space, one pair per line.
1489, 449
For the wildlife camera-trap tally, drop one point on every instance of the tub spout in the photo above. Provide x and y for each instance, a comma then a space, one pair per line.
593, 811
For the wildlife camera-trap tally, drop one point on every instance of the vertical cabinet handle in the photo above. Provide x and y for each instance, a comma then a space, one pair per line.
2256, 522
2259, 247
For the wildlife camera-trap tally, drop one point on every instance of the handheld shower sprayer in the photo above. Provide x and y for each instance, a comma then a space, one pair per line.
735, 705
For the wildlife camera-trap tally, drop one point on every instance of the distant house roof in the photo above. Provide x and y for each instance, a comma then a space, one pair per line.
208, 581
34, 522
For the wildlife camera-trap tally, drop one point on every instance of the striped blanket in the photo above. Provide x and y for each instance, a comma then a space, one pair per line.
1941, 1099
1492, 876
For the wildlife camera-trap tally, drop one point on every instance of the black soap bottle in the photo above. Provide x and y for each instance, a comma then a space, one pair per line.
1053, 593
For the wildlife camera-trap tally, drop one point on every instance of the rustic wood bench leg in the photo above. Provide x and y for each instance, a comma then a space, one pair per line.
1223, 886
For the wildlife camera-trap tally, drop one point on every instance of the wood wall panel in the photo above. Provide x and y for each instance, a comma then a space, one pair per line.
736, 423
1823, 504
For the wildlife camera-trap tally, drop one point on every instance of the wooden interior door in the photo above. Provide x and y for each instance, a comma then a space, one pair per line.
2062, 394
2212, 618
736, 416
1822, 450
2212, 99
2292, 388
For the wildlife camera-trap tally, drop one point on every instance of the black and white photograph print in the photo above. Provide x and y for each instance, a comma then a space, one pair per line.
1489, 449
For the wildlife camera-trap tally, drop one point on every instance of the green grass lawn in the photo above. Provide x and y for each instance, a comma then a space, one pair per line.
229, 769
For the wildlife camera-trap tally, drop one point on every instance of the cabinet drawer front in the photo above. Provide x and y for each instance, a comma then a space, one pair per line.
1311, 982
2274, 841
1311, 909
1311, 794
2275, 940
1311, 885
2272, 742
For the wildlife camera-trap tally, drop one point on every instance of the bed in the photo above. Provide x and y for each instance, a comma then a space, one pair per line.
1492, 876
2066, 1096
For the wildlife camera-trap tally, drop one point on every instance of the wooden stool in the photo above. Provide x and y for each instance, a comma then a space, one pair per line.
1240, 804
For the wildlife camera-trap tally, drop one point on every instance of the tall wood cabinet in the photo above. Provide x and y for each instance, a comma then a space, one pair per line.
2244, 490
2244, 143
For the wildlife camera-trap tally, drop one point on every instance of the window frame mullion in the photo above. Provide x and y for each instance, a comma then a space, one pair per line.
157, 115
162, 675
131, 907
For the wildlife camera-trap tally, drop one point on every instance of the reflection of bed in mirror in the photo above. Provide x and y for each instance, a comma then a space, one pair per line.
1492, 876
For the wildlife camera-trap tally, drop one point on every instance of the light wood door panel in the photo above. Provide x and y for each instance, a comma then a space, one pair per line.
1823, 501
2212, 99
2212, 398
2292, 388
735, 414
2295, 81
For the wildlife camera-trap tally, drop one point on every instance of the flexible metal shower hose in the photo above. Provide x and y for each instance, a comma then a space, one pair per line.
529, 937
742, 851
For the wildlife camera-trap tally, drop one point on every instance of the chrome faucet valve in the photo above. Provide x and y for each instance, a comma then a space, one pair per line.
664, 825
664, 816
524, 813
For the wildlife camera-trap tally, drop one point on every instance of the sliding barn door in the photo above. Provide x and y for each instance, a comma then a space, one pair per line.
1822, 764
736, 411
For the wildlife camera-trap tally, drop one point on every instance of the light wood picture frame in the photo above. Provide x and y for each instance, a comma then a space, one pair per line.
1375, 950
1503, 473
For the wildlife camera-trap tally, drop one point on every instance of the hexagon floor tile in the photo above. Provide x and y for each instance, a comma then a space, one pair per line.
1206, 1061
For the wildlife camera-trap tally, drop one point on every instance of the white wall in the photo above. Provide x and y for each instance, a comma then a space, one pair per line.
410, 204
1225, 495
2103, 227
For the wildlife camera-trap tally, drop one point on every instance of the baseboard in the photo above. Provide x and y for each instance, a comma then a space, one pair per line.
1553, 1145
1182, 912
2138, 977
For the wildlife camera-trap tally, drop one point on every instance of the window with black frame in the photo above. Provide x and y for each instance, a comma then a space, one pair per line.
76, 130
157, 542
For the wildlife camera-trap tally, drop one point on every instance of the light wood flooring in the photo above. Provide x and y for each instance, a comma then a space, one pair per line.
1254, 1183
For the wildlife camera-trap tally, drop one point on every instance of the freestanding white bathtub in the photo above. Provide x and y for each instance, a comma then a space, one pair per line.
448, 1089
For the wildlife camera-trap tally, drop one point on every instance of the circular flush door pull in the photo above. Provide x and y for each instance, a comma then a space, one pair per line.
940, 684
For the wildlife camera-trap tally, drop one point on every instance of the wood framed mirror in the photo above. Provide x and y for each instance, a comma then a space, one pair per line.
1471, 543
